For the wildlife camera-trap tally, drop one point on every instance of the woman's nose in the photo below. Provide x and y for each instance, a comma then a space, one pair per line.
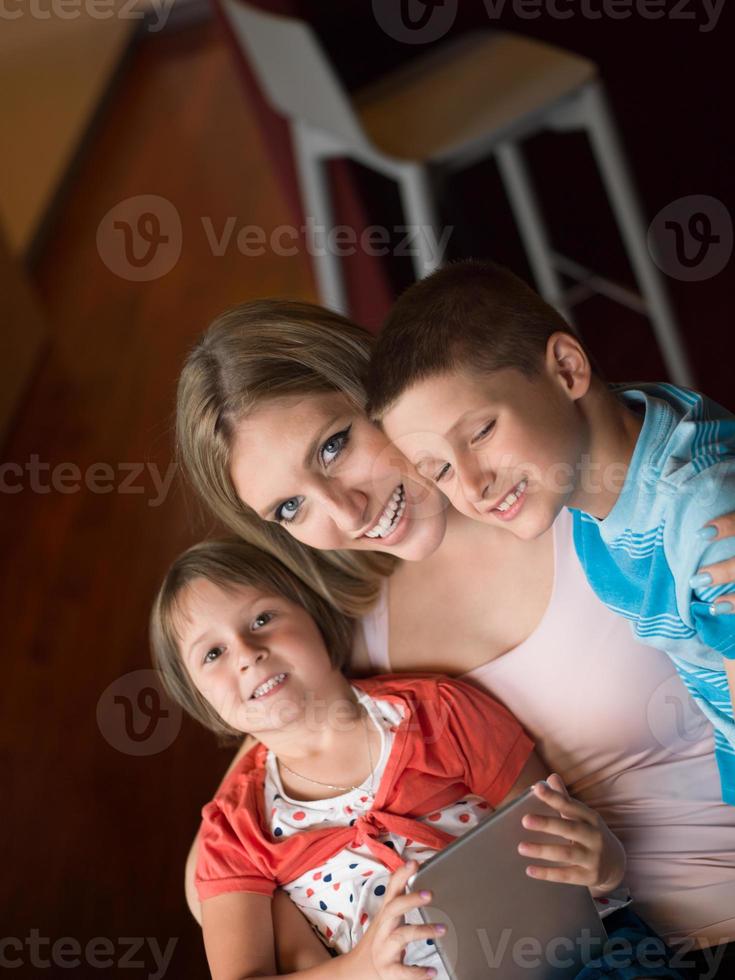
347, 507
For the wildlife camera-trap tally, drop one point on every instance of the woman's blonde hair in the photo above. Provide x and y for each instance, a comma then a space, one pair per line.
251, 354
227, 563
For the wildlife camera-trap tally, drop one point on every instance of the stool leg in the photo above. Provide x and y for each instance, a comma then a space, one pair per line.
428, 241
608, 152
317, 201
524, 203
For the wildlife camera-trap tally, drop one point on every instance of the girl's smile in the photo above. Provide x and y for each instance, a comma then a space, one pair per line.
258, 659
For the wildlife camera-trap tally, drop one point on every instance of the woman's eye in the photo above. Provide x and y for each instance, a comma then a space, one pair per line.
334, 445
442, 473
211, 655
261, 620
484, 431
288, 509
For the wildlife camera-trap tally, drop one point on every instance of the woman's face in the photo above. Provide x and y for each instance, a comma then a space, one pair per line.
316, 465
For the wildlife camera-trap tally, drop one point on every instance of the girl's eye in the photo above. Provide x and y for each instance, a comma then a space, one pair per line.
442, 473
288, 509
261, 620
484, 431
211, 655
334, 445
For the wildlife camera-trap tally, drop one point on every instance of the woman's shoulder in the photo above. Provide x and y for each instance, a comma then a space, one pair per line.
418, 687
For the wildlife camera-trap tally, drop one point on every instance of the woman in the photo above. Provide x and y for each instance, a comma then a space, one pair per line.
271, 431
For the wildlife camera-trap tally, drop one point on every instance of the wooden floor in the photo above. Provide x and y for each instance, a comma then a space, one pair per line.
94, 836
94, 839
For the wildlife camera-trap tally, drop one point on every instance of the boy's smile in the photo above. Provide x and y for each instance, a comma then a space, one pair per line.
505, 448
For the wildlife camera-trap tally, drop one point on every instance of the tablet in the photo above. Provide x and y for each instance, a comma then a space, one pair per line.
500, 922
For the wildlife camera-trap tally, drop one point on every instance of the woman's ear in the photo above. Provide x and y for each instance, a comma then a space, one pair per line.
568, 364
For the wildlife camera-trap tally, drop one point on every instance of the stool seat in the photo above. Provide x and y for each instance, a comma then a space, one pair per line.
477, 96
451, 101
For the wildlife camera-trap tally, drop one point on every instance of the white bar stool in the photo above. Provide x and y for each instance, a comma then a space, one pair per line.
469, 98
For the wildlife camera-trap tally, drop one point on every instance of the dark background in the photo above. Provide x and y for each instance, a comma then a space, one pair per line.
95, 838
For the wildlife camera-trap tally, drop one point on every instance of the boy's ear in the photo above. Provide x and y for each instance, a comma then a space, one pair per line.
567, 363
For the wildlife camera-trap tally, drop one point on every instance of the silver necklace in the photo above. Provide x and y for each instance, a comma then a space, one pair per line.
344, 789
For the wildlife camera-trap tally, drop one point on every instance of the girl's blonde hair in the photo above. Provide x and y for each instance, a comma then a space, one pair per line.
251, 354
227, 563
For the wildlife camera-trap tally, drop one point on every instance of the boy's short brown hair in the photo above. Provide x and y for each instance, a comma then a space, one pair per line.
472, 315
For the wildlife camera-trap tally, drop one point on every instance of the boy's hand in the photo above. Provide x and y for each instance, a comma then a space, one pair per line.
721, 572
379, 954
591, 854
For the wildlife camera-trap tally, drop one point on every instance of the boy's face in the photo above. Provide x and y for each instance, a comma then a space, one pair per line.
235, 640
503, 447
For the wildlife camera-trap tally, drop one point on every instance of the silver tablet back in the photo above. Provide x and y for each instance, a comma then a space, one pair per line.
500, 922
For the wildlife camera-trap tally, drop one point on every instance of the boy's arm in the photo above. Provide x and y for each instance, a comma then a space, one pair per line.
703, 498
730, 671
239, 941
723, 572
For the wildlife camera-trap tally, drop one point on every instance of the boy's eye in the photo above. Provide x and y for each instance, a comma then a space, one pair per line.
484, 431
261, 620
211, 655
333, 446
286, 511
442, 473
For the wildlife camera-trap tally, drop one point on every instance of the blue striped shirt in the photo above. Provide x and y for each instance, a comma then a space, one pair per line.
640, 558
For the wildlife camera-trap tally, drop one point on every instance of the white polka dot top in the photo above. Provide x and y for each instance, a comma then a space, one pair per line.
341, 896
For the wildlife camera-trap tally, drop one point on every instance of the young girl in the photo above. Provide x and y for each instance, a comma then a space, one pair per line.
350, 782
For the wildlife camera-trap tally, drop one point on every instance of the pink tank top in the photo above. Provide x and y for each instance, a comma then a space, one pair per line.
613, 719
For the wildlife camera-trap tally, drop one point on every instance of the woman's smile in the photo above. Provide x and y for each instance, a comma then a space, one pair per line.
390, 517
336, 481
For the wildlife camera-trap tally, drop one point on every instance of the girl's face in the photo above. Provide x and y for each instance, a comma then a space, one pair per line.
317, 466
258, 659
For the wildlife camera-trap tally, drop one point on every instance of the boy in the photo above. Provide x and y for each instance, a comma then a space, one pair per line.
490, 394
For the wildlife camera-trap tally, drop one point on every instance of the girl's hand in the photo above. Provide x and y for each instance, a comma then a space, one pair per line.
380, 952
592, 855
722, 572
